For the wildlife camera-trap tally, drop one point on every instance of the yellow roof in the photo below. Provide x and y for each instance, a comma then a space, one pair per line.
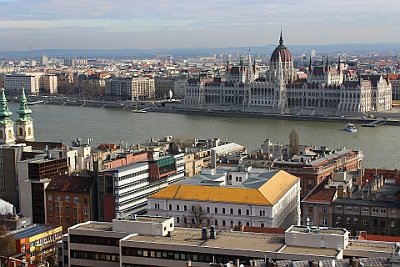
267, 194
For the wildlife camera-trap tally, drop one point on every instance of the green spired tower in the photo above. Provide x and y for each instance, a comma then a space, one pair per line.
6, 124
24, 121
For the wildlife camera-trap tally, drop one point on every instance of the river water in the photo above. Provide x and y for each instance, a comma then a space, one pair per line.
380, 145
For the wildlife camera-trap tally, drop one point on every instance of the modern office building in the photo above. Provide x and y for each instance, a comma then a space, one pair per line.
155, 241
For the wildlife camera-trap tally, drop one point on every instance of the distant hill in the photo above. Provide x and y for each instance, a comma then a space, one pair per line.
393, 48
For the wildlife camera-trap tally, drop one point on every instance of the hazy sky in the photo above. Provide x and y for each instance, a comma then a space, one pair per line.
109, 24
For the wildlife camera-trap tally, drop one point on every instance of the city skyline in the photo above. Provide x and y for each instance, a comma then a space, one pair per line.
45, 24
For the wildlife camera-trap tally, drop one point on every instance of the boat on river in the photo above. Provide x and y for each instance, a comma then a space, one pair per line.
350, 127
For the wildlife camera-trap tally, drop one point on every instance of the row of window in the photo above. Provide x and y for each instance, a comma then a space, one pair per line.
89, 255
185, 221
208, 210
375, 222
178, 255
366, 209
67, 199
68, 209
131, 175
94, 240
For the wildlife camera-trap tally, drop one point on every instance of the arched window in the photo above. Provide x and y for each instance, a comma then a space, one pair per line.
223, 210
21, 131
223, 223
231, 211
170, 207
262, 224
216, 222
216, 210
239, 211
247, 212
177, 219
208, 209
177, 207
247, 224
185, 208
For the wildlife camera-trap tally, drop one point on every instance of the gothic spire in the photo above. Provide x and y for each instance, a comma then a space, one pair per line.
310, 66
338, 65
281, 39
23, 110
327, 64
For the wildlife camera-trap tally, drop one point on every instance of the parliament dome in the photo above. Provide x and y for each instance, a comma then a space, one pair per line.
283, 51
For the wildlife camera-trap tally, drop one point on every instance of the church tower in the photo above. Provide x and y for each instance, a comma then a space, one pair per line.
24, 121
6, 124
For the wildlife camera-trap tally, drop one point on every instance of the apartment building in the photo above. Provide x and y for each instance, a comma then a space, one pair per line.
70, 200
371, 205
130, 88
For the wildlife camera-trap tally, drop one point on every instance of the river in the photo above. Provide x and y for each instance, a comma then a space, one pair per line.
380, 145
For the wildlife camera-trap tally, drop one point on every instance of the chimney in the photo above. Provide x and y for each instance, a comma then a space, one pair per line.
213, 159
204, 233
340, 191
348, 192
212, 232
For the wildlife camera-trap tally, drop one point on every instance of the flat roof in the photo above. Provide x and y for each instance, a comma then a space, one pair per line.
91, 225
224, 239
322, 230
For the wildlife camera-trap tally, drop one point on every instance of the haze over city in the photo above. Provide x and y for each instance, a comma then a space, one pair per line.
45, 24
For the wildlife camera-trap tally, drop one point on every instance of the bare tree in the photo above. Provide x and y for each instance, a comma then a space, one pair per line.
7, 242
196, 218
294, 144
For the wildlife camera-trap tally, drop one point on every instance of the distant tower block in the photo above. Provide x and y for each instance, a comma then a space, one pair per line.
6, 124
312, 53
24, 122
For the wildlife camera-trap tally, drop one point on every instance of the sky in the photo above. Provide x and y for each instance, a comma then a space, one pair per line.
146, 24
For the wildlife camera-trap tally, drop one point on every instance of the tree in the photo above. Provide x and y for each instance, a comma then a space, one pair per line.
294, 144
196, 218
7, 242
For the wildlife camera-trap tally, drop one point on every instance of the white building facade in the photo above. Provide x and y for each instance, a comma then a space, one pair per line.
229, 198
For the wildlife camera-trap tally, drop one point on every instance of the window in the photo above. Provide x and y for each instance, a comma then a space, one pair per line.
339, 208
262, 225
365, 222
348, 220
392, 224
383, 211
170, 207
76, 199
325, 210
67, 209
365, 209
348, 208
85, 211
85, 200
58, 199
239, 211
247, 212
185, 208
216, 210
393, 211
177, 219
356, 209
223, 223
324, 222
374, 210
66, 199
177, 207
223, 210
338, 220
50, 208
50, 198
208, 209
355, 221
231, 211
